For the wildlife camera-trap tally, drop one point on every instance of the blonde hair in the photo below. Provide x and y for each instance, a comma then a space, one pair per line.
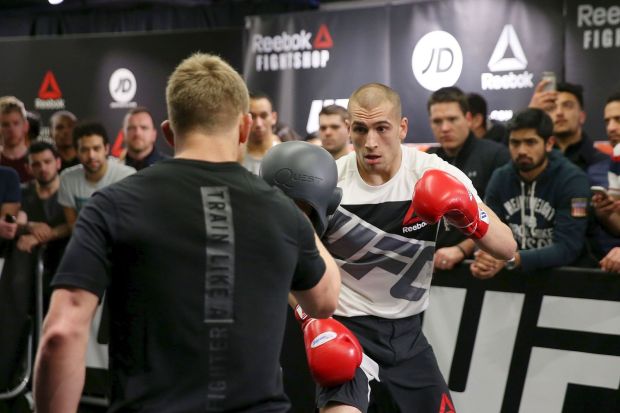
10, 104
371, 95
204, 93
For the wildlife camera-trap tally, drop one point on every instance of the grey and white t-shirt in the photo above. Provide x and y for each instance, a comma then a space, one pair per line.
75, 190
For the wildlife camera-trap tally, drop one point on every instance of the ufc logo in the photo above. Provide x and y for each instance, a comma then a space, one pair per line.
367, 249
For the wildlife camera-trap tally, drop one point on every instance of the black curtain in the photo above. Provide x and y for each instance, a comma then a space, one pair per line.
38, 18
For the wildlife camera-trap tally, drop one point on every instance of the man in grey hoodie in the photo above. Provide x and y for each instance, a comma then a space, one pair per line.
541, 196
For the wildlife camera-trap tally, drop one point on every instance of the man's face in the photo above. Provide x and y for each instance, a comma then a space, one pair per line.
612, 122
527, 149
450, 125
44, 166
92, 153
13, 128
376, 134
567, 115
333, 133
140, 133
62, 132
263, 119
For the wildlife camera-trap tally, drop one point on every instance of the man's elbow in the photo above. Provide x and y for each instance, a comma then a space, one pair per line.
59, 336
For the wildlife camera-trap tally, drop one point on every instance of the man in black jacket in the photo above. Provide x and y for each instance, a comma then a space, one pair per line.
450, 120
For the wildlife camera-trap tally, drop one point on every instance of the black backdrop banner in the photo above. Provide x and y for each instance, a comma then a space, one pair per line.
102, 77
496, 48
593, 55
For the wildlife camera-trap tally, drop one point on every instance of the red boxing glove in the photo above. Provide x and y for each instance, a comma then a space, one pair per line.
332, 350
438, 194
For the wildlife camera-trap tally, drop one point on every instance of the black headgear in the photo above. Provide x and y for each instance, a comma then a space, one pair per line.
305, 172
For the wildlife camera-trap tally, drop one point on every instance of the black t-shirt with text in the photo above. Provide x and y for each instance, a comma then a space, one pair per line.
196, 259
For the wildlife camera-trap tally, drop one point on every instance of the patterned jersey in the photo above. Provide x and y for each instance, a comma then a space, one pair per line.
384, 250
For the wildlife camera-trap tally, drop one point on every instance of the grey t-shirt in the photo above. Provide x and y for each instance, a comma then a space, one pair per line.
75, 190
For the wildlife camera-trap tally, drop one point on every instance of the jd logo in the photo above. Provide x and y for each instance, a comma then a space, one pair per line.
437, 60
122, 85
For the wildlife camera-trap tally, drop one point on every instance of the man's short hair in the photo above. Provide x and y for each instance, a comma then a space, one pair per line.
448, 95
477, 105
532, 118
10, 104
335, 110
62, 114
88, 128
204, 93
572, 88
135, 111
41, 146
371, 95
259, 94
614, 97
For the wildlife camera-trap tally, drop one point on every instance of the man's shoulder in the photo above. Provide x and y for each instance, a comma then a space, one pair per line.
7, 171
501, 174
119, 169
489, 147
73, 173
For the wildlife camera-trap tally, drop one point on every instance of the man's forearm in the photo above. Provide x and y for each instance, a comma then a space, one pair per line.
59, 375
60, 231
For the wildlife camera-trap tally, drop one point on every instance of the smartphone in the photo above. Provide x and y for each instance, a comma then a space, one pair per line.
598, 190
9, 218
551, 85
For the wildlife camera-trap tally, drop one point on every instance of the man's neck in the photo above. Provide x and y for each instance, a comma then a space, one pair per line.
479, 132
140, 155
96, 176
14, 152
67, 153
342, 152
45, 191
564, 141
260, 148
207, 148
531, 176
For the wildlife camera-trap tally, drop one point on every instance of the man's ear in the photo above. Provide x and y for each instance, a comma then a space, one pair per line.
550, 143
582, 118
403, 128
168, 132
245, 126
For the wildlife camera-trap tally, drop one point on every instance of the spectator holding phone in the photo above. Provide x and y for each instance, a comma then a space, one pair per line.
10, 198
607, 203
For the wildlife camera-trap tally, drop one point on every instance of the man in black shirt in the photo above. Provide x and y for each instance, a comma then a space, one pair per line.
196, 256
140, 137
46, 219
450, 120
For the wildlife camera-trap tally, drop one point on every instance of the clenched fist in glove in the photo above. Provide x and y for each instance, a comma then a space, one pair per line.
332, 350
438, 194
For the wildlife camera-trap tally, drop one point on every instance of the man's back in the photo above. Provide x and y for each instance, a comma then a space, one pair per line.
203, 259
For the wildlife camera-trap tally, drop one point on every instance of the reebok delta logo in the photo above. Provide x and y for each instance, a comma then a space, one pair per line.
411, 222
294, 51
49, 96
507, 44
